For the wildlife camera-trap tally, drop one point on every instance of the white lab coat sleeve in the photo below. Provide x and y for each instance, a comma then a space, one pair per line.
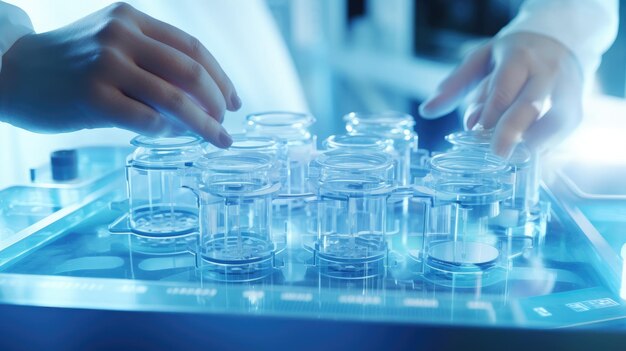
14, 24
242, 35
586, 27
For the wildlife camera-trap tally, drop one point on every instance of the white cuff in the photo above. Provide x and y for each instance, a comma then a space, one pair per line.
14, 24
586, 27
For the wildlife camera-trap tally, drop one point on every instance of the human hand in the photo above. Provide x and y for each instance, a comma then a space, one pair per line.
514, 77
116, 67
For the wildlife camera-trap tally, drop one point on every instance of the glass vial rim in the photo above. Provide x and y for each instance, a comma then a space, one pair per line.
481, 140
244, 142
356, 141
470, 138
468, 163
347, 160
395, 118
166, 142
236, 162
280, 119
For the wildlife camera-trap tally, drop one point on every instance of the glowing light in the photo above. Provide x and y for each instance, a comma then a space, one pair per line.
601, 137
622, 290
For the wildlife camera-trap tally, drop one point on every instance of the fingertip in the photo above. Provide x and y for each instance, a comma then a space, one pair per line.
499, 144
503, 143
472, 121
235, 102
484, 122
472, 114
431, 108
224, 139
502, 150
478, 127
424, 110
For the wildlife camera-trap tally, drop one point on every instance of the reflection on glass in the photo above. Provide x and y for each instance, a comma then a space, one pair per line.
236, 239
523, 217
352, 189
159, 204
395, 126
468, 189
292, 130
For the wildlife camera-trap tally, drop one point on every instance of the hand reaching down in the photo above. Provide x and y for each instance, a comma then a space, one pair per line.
515, 76
116, 67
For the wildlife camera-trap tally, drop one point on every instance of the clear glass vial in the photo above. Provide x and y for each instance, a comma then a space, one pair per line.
260, 144
358, 143
292, 130
352, 190
523, 163
467, 189
159, 204
236, 239
523, 218
395, 126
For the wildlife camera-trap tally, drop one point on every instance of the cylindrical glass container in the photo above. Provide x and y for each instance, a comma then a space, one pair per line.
523, 164
260, 144
467, 189
159, 204
277, 150
291, 129
419, 165
236, 238
525, 167
352, 190
359, 143
523, 217
395, 126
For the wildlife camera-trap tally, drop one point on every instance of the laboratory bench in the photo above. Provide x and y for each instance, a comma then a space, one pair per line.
70, 280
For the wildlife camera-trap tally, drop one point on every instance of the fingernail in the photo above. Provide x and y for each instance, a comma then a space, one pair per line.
472, 120
504, 153
225, 139
504, 149
235, 101
472, 114
424, 109
478, 126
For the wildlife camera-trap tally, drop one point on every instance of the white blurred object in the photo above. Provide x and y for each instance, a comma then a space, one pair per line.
586, 27
242, 37
600, 137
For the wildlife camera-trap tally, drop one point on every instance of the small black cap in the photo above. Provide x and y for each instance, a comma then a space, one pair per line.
64, 164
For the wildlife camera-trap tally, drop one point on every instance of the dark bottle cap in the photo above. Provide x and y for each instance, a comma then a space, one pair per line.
64, 164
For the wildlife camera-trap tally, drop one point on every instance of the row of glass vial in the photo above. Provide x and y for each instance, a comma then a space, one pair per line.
159, 181
353, 184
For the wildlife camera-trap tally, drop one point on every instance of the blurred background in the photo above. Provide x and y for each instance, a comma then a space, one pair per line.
373, 55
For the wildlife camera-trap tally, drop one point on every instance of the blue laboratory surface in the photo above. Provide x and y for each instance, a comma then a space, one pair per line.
57, 251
